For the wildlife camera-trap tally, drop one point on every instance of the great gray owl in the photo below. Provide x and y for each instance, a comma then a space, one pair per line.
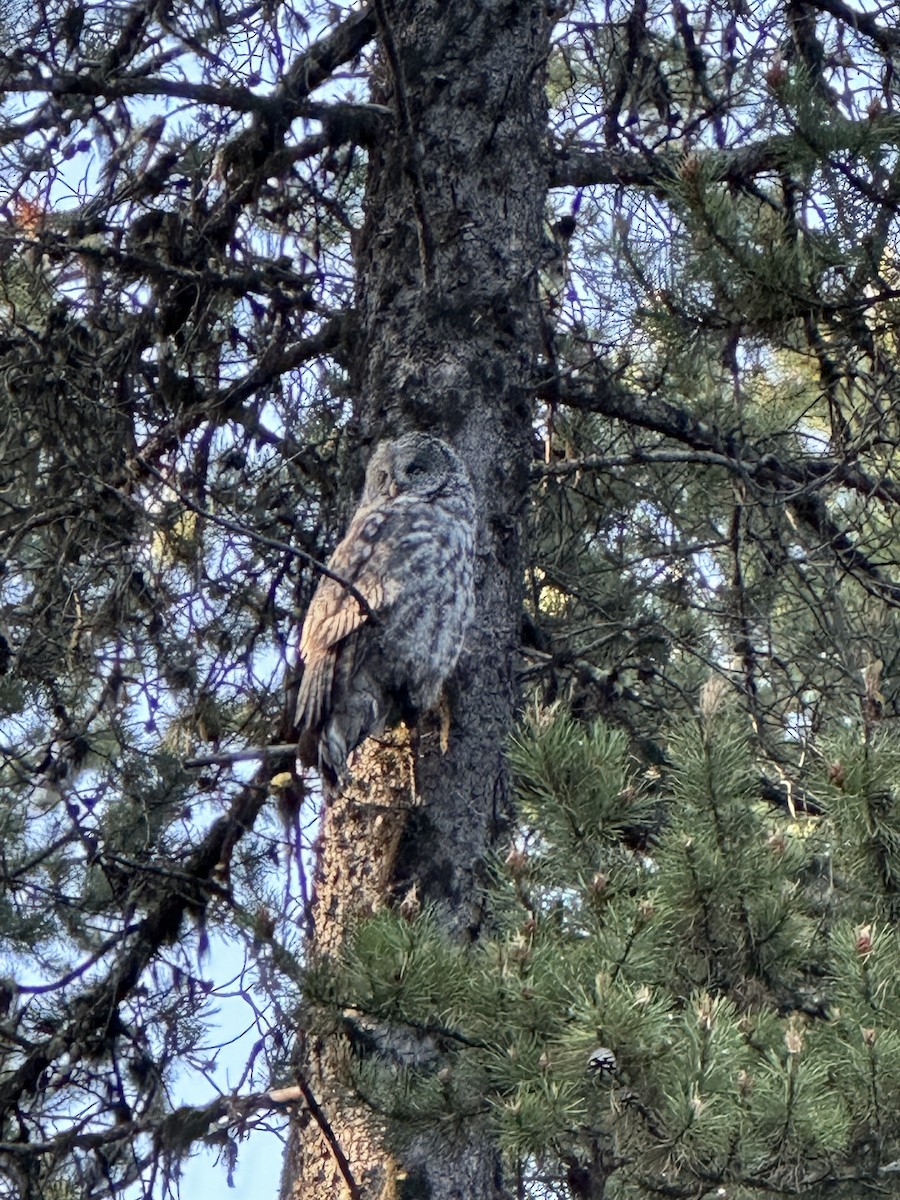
409, 552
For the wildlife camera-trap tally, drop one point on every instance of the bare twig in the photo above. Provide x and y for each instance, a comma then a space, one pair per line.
261, 538
249, 754
328, 1134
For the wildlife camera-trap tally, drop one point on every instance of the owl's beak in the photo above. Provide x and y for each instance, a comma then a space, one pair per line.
393, 490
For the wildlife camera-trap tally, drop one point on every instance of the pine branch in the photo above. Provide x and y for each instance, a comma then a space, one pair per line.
248, 754
93, 1011
866, 23
308, 71
183, 1126
243, 530
580, 165
316, 64
797, 481
226, 404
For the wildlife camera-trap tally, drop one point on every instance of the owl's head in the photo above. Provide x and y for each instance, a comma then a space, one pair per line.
416, 464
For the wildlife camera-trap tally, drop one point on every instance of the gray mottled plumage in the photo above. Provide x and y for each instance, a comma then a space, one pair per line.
409, 553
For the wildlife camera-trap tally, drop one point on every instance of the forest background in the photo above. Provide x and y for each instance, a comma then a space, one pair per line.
633, 932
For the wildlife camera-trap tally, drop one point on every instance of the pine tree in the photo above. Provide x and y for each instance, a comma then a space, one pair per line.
683, 988
638, 262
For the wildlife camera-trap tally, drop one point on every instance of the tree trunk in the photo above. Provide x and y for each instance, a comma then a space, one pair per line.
448, 323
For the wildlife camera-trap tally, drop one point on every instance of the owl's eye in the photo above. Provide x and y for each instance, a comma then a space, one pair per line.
415, 468
382, 481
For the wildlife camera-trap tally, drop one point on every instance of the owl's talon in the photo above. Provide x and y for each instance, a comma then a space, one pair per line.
446, 717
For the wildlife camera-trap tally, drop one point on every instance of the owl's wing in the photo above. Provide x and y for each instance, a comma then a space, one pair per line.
335, 613
359, 560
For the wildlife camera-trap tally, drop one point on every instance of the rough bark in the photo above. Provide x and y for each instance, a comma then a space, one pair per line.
448, 328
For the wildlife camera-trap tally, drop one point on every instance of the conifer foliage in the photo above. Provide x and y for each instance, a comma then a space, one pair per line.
683, 988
